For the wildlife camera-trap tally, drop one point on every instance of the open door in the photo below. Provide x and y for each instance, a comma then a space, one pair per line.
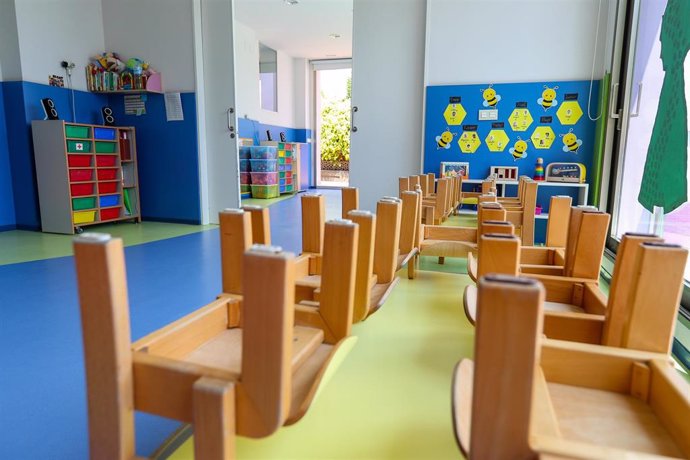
217, 117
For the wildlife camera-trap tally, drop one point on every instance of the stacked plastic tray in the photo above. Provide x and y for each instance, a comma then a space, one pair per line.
263, 171
286, 175
245, 177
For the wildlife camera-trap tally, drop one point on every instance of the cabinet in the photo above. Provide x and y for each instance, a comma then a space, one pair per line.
87, 174
288, 165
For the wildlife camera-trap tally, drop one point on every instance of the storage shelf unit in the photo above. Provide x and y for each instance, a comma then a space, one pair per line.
87, 174
582, 188
288, 165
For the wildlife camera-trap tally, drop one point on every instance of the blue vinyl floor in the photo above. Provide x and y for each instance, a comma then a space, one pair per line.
42, 385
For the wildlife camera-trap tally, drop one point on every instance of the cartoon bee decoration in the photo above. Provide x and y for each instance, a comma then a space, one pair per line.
570, 142
445, 139
548, 98
519, 149
491, 99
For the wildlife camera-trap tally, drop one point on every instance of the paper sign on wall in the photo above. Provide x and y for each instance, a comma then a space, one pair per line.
173, 107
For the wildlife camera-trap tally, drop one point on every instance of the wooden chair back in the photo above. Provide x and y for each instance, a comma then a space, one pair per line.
313, 221
559, 218
510, 308
338, 276
424, 184
235, 240
499, 253
431, 178
529, 203
349, 201
490, 211
366, 221
442, 193
387, 240
261, 224
414, 181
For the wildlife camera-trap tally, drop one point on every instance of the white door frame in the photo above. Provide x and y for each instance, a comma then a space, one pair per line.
214, 55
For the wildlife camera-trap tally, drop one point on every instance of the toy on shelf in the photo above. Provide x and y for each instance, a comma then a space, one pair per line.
566, 172
504, 172
108, 73
539, 169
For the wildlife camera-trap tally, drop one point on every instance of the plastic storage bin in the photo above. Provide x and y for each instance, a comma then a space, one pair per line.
107, 187
267, 178
263, 165
83, 217
265, 191
245, 153
245, 178
263, 152
112, 213
78, 146
80, 175
83, 203
104, 134
245, 165
81, 189
245, 188
108, 200
106, 147
105, 160
79, 161
79, 132
107, 174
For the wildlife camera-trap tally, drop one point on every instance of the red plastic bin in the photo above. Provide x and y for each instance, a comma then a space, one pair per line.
80, 175
107, 187
105, 160
107, 174
78, 161
112, 213
81, 189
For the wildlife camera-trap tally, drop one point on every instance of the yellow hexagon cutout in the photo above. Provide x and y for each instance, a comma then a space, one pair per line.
469, 142
569, 112
542, 137
520, 119
497, 140
454, 114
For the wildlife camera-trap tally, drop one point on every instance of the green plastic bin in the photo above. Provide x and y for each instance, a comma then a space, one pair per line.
265, 191
79, 132
83, 203
106, 147
79, 146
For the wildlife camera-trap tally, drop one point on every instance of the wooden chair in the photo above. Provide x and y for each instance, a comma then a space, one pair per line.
349, 200
521, 214
313, 221
374, 279
409, 228
641, 310
524, 396
225, 376
415, 181
438, 208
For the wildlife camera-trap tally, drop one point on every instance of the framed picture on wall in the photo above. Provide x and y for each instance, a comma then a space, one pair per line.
455, 168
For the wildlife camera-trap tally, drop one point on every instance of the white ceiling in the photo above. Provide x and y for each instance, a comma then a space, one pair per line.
300, 30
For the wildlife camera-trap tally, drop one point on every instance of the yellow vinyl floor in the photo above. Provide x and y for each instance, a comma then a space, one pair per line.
390, 398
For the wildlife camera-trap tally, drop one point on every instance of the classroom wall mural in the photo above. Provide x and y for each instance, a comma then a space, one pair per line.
509, 124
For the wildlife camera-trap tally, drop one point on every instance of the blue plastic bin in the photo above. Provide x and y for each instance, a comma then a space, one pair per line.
263, 152
104, 134
108, 200
263, 165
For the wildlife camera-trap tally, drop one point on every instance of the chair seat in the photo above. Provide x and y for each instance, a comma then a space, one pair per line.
562, 307
472, 268
379, 295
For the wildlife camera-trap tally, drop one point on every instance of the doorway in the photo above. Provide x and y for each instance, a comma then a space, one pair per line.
333, 109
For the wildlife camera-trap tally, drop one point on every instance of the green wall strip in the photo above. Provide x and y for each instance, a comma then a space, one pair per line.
600, 140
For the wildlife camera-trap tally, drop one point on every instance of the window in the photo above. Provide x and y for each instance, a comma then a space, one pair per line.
268, 78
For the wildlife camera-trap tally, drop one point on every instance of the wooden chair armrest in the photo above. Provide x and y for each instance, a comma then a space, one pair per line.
536, 255
438, 232
549, 270
567, 290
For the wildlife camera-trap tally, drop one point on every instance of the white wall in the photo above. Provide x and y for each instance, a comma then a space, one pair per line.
158, 31
494, 41
387, 88
291, 108
10, 65
50, 31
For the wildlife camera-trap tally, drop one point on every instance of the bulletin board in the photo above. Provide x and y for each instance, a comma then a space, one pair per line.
546, 120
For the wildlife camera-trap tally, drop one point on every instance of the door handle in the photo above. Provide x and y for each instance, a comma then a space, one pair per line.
639, 99
354, 110
613, 109
231, 126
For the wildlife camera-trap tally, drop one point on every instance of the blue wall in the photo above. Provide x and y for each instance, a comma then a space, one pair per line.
168, 154
7, 218
438, 98
168, 159
257, 131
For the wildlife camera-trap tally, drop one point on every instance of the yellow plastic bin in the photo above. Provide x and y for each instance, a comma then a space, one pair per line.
84, 217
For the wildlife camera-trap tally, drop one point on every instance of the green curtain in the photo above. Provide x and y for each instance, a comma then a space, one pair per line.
665, 182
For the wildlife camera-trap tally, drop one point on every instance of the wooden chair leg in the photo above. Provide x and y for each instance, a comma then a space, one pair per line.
106, 334
350, 200
261, 224
441, 260
214, 419
235, 239
412, 268
387, 240
313, 221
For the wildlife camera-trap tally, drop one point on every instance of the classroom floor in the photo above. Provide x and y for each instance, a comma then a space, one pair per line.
390, 398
